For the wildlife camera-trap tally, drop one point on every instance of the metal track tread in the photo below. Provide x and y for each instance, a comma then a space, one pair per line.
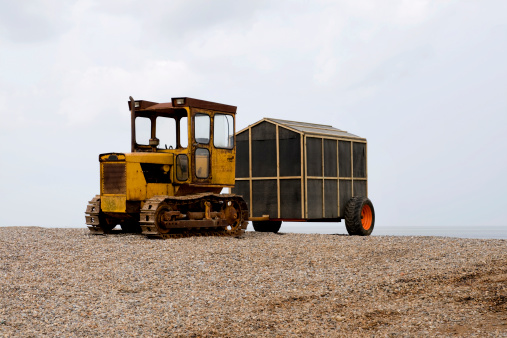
151, 230
92, 216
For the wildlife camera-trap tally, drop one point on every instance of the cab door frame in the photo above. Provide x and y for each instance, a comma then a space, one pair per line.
196, 146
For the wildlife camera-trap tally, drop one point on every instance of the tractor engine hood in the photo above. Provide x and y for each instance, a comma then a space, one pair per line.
158, 158
112, 157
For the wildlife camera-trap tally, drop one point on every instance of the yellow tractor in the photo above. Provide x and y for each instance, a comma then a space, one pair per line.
183, 155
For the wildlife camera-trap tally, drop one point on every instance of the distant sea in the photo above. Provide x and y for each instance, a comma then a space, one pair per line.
486, 232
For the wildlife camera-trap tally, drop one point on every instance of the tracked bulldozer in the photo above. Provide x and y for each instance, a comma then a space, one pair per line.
169, 185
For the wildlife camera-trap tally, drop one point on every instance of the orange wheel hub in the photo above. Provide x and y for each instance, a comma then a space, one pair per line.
366, 217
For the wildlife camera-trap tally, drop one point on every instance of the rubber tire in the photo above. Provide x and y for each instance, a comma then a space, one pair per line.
267, 226
353, 216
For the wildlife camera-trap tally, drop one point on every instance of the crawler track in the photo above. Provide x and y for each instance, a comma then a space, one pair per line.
180, 216
221, 225
93, 217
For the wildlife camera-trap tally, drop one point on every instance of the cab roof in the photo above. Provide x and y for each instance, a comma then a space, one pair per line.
179, 102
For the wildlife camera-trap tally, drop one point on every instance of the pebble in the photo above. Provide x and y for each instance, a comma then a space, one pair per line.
66, 282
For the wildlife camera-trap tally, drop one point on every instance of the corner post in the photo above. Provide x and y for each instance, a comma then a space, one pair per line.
133, 123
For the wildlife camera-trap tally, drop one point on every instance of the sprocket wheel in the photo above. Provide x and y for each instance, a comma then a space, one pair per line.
232, 212
162, 218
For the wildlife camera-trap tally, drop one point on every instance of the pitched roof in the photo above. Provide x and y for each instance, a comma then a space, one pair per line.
310, 128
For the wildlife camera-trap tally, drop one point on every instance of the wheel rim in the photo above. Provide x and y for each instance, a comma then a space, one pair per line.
366, 217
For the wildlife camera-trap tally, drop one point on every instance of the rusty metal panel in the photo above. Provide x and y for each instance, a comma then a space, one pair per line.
195, 103
114, 178
142, 104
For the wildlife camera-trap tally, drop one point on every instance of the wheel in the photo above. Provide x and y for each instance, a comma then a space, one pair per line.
232, 212
359, 216
162, 218
267, 226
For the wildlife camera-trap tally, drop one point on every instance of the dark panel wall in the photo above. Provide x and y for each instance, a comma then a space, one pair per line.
359, 156
242, 155
344, 158
314, 198
290, 198
264, 198
360, 188
330, 160
289, 152
314, 156
321, 155
264, 150
243, 188
331, 198
345, 194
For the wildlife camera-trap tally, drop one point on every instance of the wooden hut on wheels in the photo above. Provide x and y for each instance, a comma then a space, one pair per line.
296, 171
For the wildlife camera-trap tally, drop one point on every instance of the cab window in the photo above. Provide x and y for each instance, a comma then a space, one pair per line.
202, 163
166, 132
202, 128
223, 131
143, 130
183, 132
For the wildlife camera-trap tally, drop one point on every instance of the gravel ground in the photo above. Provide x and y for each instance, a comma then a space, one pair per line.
65, 282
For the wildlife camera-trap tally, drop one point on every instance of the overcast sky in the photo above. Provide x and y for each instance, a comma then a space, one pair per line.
424, 81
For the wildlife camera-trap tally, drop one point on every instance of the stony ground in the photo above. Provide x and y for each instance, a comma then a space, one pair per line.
64, 282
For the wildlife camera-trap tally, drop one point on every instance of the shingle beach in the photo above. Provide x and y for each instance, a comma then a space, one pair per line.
67, 283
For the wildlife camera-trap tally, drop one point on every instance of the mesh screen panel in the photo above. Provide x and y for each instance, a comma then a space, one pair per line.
344, 158
331, 198
264, 198
242, 188
264, 150
345, 195
290, 198
360, 188
314, 156
314, 198
359, 157
330, 160
242, 155
289, 152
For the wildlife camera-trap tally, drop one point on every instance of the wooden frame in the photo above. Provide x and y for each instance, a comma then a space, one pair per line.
320, 134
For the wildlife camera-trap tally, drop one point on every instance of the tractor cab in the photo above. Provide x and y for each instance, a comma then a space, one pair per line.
182, 156
199, 134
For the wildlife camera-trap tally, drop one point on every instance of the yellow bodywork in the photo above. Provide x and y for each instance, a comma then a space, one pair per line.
114, 203
219, 173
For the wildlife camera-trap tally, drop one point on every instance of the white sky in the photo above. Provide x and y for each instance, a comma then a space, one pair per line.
424, 81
